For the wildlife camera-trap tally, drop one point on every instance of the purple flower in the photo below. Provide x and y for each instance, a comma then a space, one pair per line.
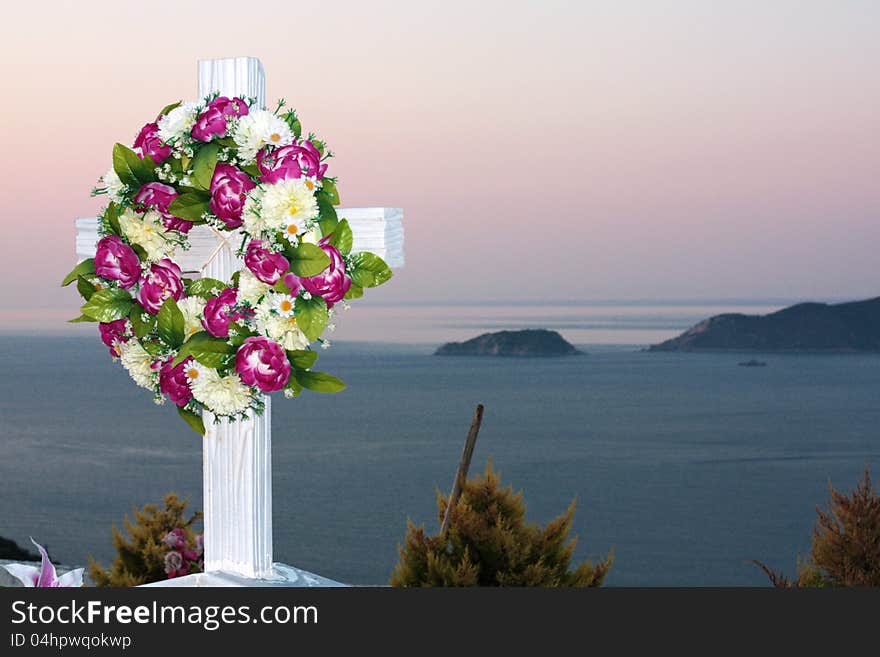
175, 539
290, 162
115, 260
220, 311
212, 121
148, 143
45, 576
266, 265
112, 333
174, 382
229, 187
332, 283
161, 282
158, 196
263, 363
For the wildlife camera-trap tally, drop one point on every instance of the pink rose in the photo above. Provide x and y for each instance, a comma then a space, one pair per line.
332, 283
112, 333
269, 267
212, 121
220, 311
148, 143
290, 162
263, 363
158, 196
162, 281
116, 261
229, 186
174, 382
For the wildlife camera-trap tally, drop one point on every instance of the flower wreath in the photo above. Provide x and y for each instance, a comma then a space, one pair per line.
203, 343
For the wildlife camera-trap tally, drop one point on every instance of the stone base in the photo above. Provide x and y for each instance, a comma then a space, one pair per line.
283, 576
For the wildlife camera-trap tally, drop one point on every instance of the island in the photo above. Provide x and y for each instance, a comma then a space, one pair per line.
807, 327
525, 343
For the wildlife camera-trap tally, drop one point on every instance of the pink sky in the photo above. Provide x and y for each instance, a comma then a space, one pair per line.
541, 150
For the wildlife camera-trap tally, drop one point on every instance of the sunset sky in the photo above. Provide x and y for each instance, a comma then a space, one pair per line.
541, 150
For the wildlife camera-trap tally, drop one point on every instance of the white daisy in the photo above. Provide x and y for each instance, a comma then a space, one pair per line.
192, 308
283, 305
148, 232
137, 362
286, 202
257, 129
222, 395
177, 122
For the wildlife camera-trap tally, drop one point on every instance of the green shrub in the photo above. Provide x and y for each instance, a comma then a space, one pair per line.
141, 555
846, 543
490, 544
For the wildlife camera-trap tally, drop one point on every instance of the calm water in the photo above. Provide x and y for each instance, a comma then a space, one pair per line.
686, 465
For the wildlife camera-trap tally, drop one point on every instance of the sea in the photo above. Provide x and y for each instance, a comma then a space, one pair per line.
686, 466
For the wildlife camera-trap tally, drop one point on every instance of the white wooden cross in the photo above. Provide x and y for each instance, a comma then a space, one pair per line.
237, 463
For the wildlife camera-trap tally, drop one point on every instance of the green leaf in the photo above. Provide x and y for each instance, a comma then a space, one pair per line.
317, 143
329, 188
205, 288
368, 270
205, 348
167, 109
194, 420
108, 305
281, 287
139, 250
170, 323
140, 327
354, 292
342, 238
252, 170
131, 169
83, 268
294, 385
327, 218
85, 288
308, 260
302, 359
319, 381
190, 206
111, 220
203, 165
152, 348
238, 334
311, 316
81, 318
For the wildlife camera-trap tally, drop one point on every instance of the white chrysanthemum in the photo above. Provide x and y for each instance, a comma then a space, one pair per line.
177, 122
284, 331
191, 307
137, 362
222, 395
250, 288
257, 129
115, 187
251, 213
148, 232
286, 202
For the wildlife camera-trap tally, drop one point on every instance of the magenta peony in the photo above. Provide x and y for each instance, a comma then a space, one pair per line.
266, 265
220, 311
290, 162
332, 283
162, 281
212, 121
229, 186
158, 197
263, 363
174, 382
148, 143
116, 261
113, 333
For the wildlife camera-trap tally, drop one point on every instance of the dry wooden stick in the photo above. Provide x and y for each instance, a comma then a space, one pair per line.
463, 465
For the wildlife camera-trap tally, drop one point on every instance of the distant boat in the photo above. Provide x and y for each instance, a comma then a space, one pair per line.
753, 363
